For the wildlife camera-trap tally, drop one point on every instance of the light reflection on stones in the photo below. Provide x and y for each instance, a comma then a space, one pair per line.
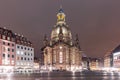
62, 76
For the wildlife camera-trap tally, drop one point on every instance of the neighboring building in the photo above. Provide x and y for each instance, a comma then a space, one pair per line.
92, 63
16, 52
24, 54
95, 64
116, 57
107, 60
7, 50
36, 65
112, 60
85, 63
60, 52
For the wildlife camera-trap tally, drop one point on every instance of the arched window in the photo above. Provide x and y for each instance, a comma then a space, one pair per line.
60, 57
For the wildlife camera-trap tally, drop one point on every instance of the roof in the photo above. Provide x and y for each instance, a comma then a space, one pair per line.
117, 49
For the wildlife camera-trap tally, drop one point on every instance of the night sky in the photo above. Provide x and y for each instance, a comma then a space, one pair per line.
97, 22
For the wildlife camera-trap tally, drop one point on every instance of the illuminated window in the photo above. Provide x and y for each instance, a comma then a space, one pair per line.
54, 57
12, 62
21, 52
73, 59
8, 38
67, 58
48, 58
18, 52
60, 57
3, 37
18, 63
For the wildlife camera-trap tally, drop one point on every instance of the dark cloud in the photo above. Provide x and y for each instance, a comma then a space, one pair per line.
96, 21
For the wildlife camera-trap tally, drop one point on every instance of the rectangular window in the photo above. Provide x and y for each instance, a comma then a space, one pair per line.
8, 44
12, 44
8, 49
25, 53
4, 43
21, 58
21, 47
17, 46
54, 57
8, 55
18, 52
12, 62
17, 58
12, 56
12, 50
8, 38
4, 49
3, 36
3, 55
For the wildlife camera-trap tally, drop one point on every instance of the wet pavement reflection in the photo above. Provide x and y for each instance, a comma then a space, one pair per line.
87, 75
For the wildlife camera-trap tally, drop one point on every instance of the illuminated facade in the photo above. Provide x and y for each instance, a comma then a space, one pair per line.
7, 50
24, 54
12, 57
60, 52
116, 57
95, 63
112, 59
107, 59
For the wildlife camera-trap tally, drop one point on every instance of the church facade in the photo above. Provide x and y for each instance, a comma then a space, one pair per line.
61, 52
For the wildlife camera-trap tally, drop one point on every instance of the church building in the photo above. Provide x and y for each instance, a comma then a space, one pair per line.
61, 52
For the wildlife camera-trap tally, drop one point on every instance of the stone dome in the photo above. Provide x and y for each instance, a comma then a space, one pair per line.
61, 24
65, 30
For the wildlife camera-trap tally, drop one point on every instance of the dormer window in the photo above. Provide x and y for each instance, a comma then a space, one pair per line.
9, 34
3, 37
8, 38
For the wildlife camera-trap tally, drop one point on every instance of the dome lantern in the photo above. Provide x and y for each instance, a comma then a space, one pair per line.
61, 16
